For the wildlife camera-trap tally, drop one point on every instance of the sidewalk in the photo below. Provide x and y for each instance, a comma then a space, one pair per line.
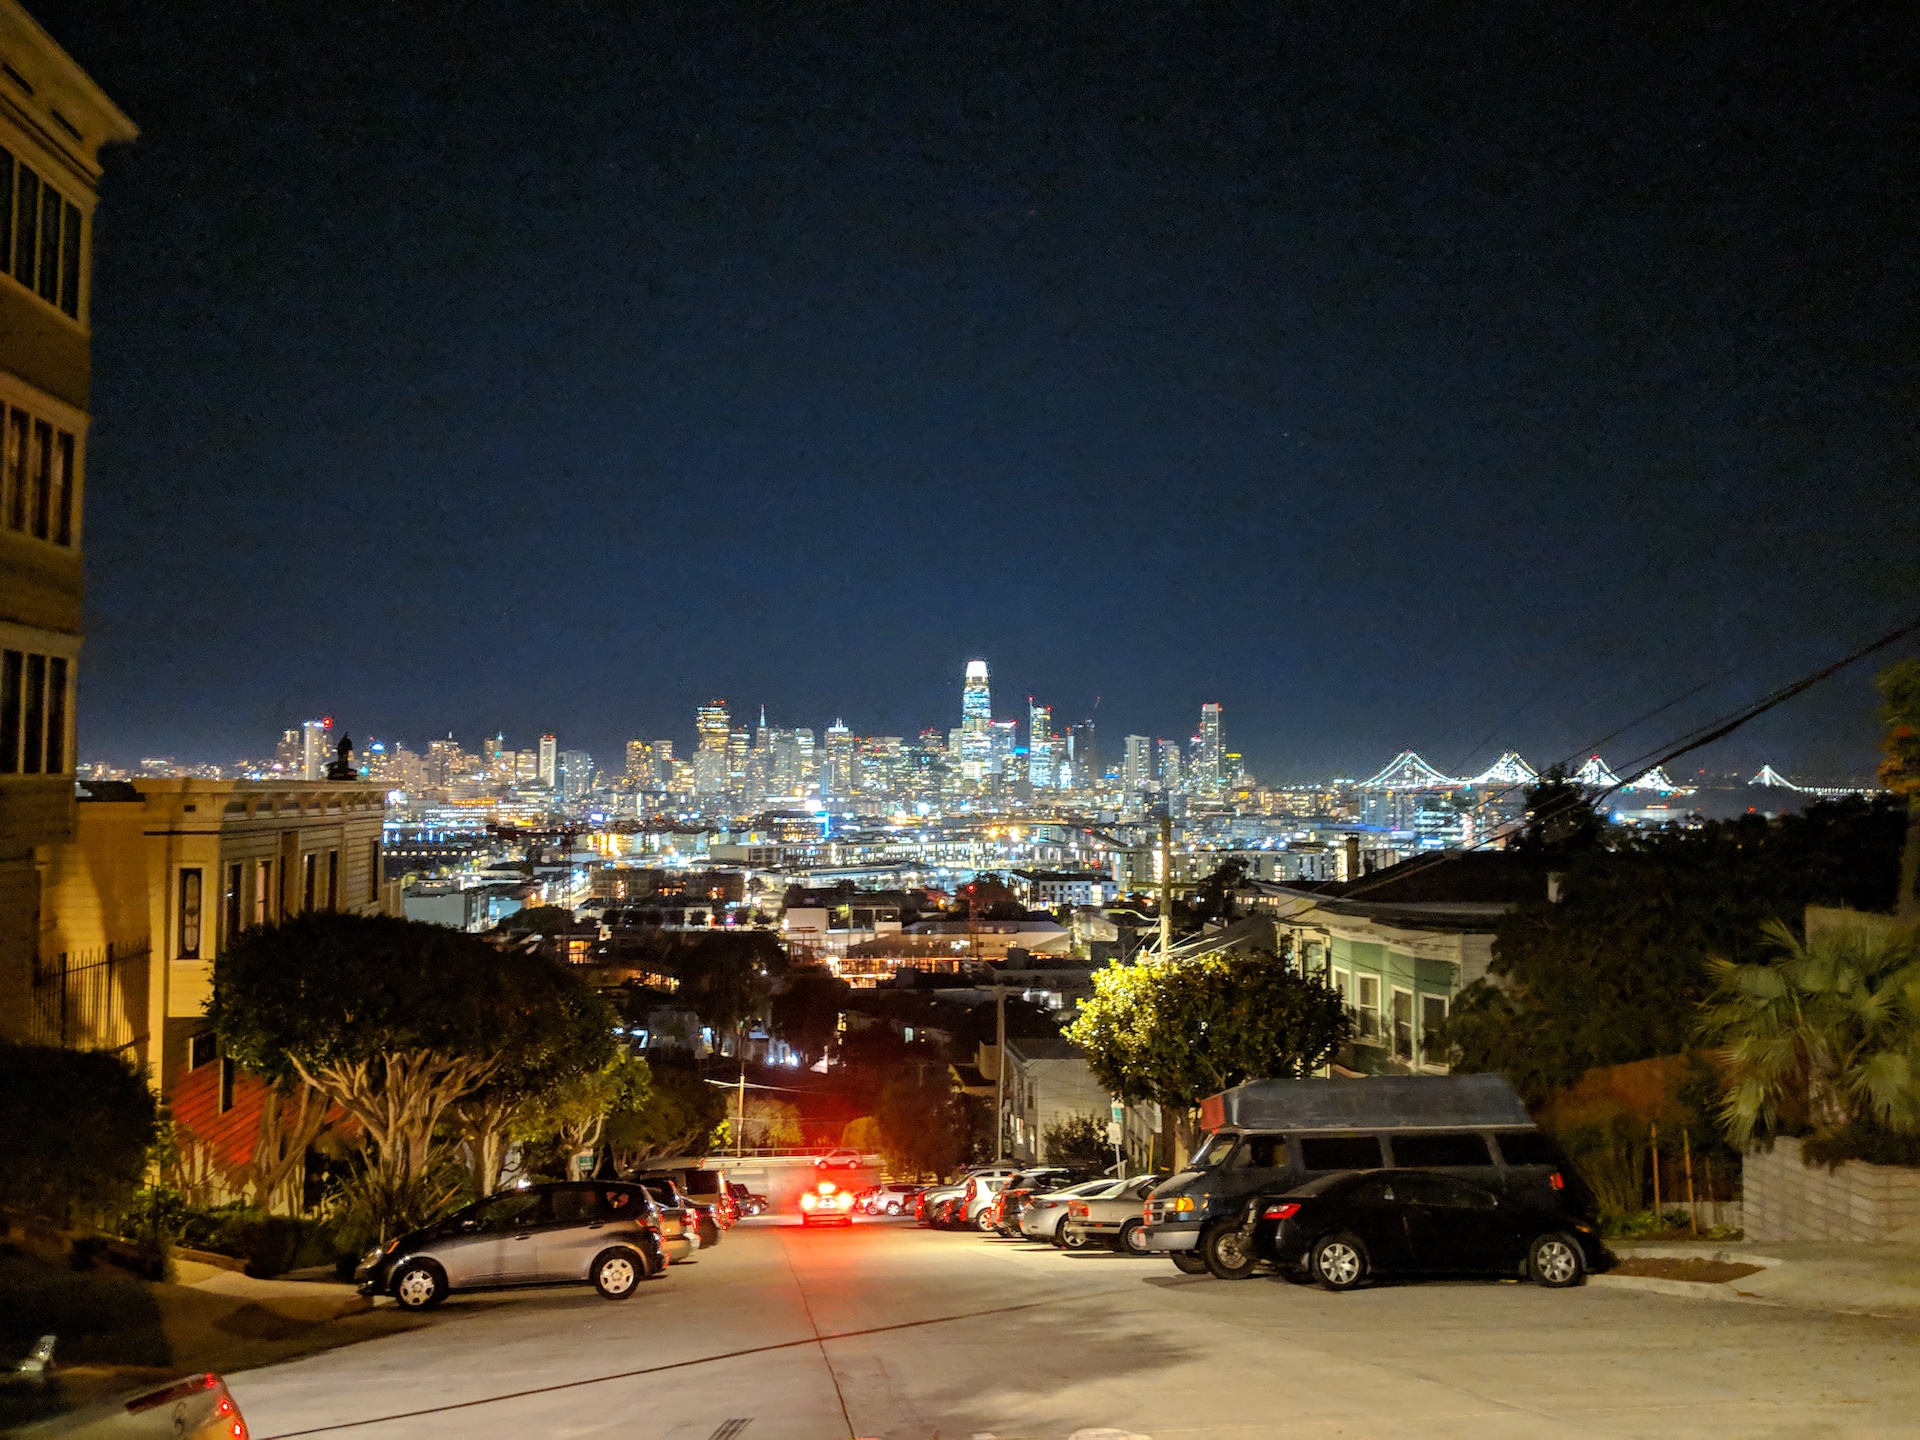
1881, 1280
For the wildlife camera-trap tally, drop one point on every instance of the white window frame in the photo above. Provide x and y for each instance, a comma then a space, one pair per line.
1362, 1009
1412, 1057
1421, 1002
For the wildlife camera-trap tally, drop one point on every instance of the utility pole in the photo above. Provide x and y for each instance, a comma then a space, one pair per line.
740, 1124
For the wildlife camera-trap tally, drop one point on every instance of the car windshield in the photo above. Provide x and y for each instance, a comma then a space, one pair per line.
1213, 1151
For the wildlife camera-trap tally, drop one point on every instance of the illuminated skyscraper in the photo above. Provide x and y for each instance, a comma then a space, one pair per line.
1169, 765
1039, 745
710, 723
836, 776
316, 746
549, 761
976, 719
1208, 774
1137, 769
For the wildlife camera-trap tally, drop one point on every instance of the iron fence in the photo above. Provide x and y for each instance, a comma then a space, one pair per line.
92, 999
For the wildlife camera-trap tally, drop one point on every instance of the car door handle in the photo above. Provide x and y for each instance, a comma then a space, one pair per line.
596, 1225
524, 1235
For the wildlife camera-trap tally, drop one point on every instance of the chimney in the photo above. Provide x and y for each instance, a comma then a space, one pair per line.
1353, 858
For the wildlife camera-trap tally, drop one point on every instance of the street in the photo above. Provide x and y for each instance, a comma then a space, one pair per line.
891, 1331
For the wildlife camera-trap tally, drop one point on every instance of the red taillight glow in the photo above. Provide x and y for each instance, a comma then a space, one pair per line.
1078, 1209
809, 1200
1280, 1212
1557, 1180
844, 1201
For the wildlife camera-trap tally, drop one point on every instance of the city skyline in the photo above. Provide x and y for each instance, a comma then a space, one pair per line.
1321, 390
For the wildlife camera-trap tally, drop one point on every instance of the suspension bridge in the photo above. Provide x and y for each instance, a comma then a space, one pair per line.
1409, 770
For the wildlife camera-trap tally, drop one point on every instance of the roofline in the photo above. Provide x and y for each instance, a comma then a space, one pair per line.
117, 119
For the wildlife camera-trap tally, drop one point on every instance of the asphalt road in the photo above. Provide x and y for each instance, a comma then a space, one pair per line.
891, 1331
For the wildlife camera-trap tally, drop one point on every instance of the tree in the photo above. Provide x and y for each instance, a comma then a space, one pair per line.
293, 1116
78, 1127
1616, 969
575, 1040
922, 1130
806, 1011
1900, 770
678, 1118
1560, 816
728, 989
1079, 1141
392, 1020
573, 1113
1175, 1032
539, 919
1822, 1034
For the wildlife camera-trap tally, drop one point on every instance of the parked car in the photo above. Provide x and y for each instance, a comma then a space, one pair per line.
890, 1199
1006, 1206
695, 1221
602, 1233
1343, 1229
747, 1201
826, 1204
194, 1406
1045, 1216
1271, 1136
1110, 1216
932, 1203
704, 1185
840, 1159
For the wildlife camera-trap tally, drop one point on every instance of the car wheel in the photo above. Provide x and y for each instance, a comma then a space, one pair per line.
1132, 1239
984, 1223
893, 1208
1188, 1263
421, 1285
618, 1273
1228, 1252
1556, 1262
1339, 1263
1069, 1239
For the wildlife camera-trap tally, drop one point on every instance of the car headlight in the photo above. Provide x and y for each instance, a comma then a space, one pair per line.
1180, 1205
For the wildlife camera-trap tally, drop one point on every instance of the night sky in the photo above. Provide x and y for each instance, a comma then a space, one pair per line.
1440, 376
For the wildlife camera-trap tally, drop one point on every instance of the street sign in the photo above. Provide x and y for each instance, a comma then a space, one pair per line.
1119, 1113
1114, 1133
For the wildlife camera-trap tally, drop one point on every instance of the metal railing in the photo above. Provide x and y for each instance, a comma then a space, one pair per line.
91, 999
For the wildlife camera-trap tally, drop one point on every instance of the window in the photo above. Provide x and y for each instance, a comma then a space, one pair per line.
1441, 1191
373, 869
1374, 1190
34, 702
1529, 1147
189, 932
263, 893
1342, 985
1366, 1006
516, 1210
309, 865
231, 915
1340, 1152
226, 1084
333, 879
203, 1049
1440, 1149
40, 236
1433, 1019
38, 478
1403, 1025
573, 1205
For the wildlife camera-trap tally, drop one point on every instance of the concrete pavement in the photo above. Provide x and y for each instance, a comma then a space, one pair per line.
891, 1331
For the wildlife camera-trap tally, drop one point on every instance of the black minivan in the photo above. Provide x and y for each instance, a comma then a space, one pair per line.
1269, 1136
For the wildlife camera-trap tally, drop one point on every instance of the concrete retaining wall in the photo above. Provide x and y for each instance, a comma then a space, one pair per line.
1785, 1200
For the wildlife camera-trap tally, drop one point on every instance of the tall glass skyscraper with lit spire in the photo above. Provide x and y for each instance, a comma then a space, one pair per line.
976, 722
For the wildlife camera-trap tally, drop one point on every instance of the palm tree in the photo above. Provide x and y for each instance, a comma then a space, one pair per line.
1825, 1033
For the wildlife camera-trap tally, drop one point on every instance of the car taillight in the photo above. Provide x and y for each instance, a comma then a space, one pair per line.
809, 1200
845, 1201
1557, 1180
1078, 1209
1280, 1212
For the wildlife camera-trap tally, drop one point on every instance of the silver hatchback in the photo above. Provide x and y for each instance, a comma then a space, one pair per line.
601, 1233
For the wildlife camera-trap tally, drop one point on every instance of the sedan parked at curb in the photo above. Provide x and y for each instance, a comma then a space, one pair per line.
1045, 1217
602, 1233
1345, 1229
1111, 1217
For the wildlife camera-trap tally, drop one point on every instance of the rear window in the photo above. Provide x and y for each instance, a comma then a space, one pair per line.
1529, 1148
1442, 1149
1340, 1152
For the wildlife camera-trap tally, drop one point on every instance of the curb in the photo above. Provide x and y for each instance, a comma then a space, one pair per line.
1684, 1289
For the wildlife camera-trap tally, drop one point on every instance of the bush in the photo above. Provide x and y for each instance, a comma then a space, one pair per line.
1861, 1141
78, 1124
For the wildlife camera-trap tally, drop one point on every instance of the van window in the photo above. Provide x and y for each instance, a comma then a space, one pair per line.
1529, 1148
1260, 1152
1440, 1149
1340, 1152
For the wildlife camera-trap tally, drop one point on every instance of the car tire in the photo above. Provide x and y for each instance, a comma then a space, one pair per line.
1228, 1253
1339, 1263
617, 1273
1129, 1241
984, 1223
1188, 1263
893, 1208
1069, 1239
419, 1285
1556, 1261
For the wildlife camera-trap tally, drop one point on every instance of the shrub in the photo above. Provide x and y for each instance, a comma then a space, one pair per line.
78, 1125
1861, 1141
